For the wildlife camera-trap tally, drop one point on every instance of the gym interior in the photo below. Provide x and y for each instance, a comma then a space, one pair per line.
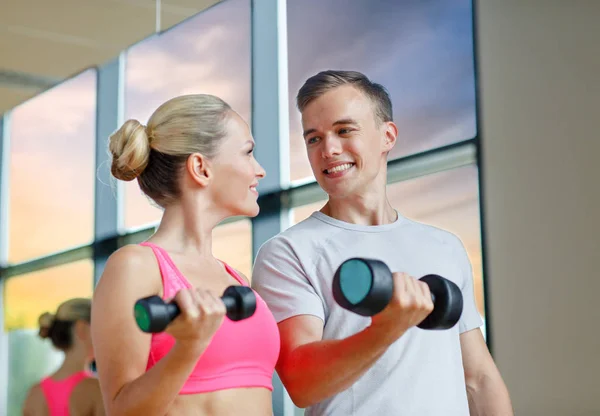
496, 103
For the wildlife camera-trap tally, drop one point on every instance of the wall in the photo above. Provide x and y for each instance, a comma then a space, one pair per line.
539, 74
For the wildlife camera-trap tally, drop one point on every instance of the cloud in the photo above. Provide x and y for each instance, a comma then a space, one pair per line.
209, 53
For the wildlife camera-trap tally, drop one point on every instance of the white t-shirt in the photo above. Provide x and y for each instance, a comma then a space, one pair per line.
421, 374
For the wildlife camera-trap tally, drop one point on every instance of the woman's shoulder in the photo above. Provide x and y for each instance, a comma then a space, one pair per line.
86, 396
131, 254
34, 400
131, 268
88, 386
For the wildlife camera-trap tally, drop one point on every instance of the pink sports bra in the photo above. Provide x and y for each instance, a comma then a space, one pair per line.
241, 353
58, 392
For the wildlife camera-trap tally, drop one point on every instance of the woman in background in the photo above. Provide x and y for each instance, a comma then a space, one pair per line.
72, 389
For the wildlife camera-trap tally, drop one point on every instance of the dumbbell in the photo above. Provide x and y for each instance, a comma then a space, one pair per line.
153, 314
365, 287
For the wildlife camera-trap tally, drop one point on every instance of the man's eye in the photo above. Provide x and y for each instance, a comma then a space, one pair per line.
312, 140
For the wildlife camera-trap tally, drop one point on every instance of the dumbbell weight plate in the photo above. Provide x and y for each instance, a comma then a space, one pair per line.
448, 302
363, 286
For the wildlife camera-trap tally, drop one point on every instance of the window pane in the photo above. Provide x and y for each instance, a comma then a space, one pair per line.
27, 296
422, 52
209, 53
52, 158
232, 243
448, 200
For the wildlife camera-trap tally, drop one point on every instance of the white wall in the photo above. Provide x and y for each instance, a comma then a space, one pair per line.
539, 63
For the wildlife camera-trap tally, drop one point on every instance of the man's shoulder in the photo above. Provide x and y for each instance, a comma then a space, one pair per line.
433, 234
304, 233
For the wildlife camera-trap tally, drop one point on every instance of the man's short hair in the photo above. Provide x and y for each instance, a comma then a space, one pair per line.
324, 81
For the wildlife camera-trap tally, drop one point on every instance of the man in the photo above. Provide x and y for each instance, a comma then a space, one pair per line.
335, 362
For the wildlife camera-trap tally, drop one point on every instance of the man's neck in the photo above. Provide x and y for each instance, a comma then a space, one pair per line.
362, 211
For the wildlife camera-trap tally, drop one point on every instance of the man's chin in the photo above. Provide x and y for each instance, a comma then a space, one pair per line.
336, 191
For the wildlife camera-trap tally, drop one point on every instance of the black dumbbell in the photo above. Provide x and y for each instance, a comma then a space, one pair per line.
365, 287
152, 314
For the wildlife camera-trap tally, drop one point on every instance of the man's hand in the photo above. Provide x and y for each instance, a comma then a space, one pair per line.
410, 304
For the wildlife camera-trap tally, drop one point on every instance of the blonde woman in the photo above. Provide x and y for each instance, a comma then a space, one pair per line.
71, 390
194, 158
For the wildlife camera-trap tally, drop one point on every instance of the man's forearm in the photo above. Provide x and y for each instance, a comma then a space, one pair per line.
489, 397
316, 371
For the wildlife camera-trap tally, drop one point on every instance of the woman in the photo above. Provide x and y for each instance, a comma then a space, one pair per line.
71, 390
195, 160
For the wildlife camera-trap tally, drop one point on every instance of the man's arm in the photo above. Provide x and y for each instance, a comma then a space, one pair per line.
313, 369
487, 393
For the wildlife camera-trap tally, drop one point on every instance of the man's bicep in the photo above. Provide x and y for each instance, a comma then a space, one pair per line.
297, 331
475, 354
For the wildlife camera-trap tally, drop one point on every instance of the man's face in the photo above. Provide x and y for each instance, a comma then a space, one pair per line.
345, 142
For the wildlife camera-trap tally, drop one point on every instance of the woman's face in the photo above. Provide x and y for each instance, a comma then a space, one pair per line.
236, 171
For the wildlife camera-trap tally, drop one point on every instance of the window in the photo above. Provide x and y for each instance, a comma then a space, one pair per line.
422, 52
26, 298
52, 158
232, 243
208, 53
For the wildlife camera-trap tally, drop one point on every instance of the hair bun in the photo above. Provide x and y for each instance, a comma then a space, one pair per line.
130, 149
45, 322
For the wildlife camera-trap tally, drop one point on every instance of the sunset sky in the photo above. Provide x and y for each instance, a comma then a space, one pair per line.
420, 51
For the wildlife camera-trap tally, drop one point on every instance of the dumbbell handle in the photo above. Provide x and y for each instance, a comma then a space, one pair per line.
173, 309
432, 296
153, 315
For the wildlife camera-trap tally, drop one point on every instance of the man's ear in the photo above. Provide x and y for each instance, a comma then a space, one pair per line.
198, 167
390, 135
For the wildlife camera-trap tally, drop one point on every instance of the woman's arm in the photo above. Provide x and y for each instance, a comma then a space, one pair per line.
121, 349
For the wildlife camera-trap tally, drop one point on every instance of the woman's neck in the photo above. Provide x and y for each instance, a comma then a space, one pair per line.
185, 231
75, 361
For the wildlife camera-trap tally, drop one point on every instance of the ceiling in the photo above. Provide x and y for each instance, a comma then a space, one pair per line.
43, 42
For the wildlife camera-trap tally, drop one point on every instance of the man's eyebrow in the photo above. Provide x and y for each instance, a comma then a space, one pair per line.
345, 121
341, 121
307, 132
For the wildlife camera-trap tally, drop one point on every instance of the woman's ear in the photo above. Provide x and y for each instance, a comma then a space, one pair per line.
198, 167
82, 330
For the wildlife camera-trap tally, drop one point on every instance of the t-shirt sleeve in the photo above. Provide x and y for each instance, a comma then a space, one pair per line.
278, 276
470, 318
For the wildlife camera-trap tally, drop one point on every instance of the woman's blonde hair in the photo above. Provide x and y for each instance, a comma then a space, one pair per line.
58, 326
156, 153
